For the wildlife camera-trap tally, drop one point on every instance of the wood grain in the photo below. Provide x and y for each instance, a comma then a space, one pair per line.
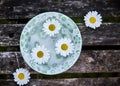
67, 82
88, 62
107, 34
10, 9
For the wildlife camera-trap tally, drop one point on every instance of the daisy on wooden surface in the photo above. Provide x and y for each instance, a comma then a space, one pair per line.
64, 46
40, 55
21, 76
51, 27
93, 19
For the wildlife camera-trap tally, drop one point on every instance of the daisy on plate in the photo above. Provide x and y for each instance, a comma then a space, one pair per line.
40, 55
93, 19
64, 46
21, 76
51, 27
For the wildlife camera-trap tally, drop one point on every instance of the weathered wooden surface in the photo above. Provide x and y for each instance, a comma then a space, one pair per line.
88, 62
73, 8
107, 34
67, 82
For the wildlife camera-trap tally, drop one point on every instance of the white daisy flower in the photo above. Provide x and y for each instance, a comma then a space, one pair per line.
21, 76
64, 46
40, 55
93, 19
51, 27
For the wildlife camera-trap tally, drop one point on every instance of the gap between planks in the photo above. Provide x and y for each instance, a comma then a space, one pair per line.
84, 47
66, 75
75, 19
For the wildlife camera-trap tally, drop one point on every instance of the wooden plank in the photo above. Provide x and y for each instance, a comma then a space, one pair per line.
10, 34
88, 62
67, 82
107, 34
67, 75
73, 8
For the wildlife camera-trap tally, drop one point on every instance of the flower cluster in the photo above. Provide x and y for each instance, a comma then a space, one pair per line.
64, 46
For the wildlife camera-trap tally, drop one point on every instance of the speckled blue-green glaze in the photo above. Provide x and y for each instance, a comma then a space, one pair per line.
33, 35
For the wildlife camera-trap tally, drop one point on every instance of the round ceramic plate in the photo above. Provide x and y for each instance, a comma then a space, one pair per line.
35, 35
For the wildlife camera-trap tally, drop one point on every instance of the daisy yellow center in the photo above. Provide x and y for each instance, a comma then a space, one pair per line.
92, 20
21, 76
40, 54
64, 47
52, 27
